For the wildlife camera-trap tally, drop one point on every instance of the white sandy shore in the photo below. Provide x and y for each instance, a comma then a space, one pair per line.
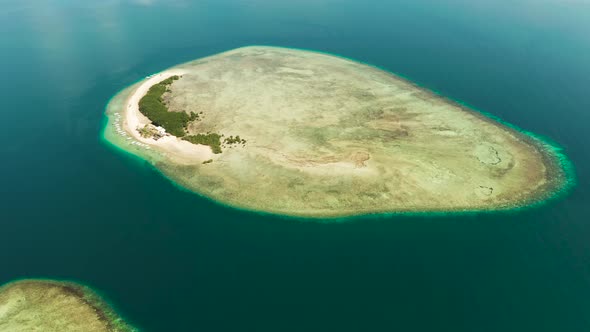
175, 148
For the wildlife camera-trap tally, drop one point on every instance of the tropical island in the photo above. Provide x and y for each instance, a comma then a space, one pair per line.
302, 133
55, 306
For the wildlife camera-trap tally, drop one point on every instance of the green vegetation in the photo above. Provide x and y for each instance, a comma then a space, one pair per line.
208, 161
145, 131
152, 106
213, 140
194, 116
149, 131
234, 140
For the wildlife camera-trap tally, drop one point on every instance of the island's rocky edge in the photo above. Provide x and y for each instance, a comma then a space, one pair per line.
325, 136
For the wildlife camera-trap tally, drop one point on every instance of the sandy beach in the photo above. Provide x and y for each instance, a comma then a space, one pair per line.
173, 147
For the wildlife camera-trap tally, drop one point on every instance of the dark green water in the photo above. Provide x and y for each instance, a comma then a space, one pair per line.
73, 208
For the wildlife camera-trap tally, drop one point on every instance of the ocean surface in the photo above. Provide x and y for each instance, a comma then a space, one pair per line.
71, 207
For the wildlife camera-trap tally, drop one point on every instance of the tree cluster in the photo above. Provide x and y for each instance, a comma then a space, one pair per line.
211, 139
152, 106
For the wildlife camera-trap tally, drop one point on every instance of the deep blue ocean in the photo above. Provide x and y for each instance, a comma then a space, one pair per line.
71, 207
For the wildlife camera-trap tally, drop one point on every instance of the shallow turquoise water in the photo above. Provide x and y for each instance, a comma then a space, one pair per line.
73, 208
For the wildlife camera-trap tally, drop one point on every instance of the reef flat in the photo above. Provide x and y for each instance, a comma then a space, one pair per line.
301, 133
55, 306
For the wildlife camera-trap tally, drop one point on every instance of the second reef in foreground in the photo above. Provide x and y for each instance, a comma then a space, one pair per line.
55, 306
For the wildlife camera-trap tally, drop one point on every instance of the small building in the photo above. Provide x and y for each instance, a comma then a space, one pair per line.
161, 131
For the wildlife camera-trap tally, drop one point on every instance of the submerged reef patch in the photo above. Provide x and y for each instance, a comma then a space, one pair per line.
56, 306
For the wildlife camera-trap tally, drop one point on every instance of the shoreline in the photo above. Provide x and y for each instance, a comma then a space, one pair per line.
561, 177
176, 149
